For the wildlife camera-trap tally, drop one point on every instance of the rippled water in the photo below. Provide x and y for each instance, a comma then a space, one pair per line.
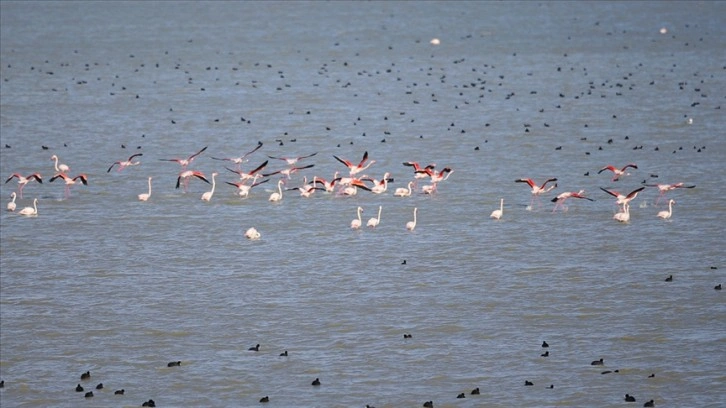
103, 282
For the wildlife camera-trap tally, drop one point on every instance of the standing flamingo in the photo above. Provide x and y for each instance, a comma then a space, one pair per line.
667, 214
411, 225
355, 224
373, 222
624, 200
145, 196
11, 204
70, 181
29, 211
60, 168
252, 233
208, 195
277, 195
404, 192
185, 162
125, 163
617, 173
497, 214
22, 181
624, 215
356, 168
239, 160
537, 190
561, 198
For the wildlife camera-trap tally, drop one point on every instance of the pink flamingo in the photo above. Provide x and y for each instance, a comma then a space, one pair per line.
356, 168
356, 223
328, 185
244, 189
624, 200
292, 160
126, 163
11, 204
664, 188
373, 222
207, 196
404, 192
418, 171
22, 181
70, 181
561, 198
616, 171
60, 168
667, 214
185, 162
411, 225
379, 186
239, 160
624, 215
288, 172
248, 176
537, 190
186, 175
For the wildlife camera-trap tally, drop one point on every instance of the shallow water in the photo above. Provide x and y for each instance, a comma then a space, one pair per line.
103, 282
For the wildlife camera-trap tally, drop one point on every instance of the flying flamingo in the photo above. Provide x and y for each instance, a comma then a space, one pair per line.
537, 190
616, 171
411, 225
185, 162
244, 189
126, 163
497, 214
624, 200
329, 186
373, 222
22, 181
624, 215
186, 175
306, 190
208, 195
561, 198
403, 192
292, 160
352, 189
418, 171
30, 211
355, 224
356, 168
664, 188
667, 214
11, 204
145, 196
252, 233
379, 186
437, 176
239, 160
277, 195
251, 175
59, 168
288, 172
70, 181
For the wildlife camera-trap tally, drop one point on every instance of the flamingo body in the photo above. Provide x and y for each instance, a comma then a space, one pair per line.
411, 225
30, 211
146, 196
356, 223
252, 233
667, 214
497, 214
11, 204
373, 222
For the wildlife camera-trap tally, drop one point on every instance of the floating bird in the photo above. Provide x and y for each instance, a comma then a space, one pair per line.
70, 181
11, 204
561, 198
404, 192
22, 181
373, 222
497, 214
316, 382
239, 160
411, 225
173, 364
59, 168
86, 375
667, 214
622, 200
277, 195
185, 162
119, 392
623, 216
207, 196
629, 398
252, 233
617, 173
650, 403
126, 163
186, 175
79, 388
356, 168
254, 348
355, 224
146, 196
597, 362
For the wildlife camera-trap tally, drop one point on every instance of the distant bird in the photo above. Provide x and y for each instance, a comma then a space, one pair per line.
243, 189
254, 348
497, 214
173, 364
561, 198
475, 391
207, 196
544, 344
373, 222
86, 375
668, 279
146, 196
239, 160
650, 403
537, 190
119, 392
355, 224
186, 175
79, 388
70, 181
59, 168
624, 200
265, 399
528, 383
99, 386
89, 394
185, 162
629, 398
597, 362
11, 204
667, 214
418, 171
126, 163
617, 173
411, 225
292, 160
252, 234
356, 168
289, 171
22, 181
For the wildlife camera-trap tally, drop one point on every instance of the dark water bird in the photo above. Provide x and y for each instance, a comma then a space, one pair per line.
544, 344
149, 403
652, 375
629, 398
461, 395
597, 362
475, 391
283, 354
119, 392
407, 336
265, 399
316, 382
404, 262
89, 394
650, 403
669, 278
86, 375
99, 386
528, 383
254, 348
173, 364
428, 404
79, 388
717, 287
545, 354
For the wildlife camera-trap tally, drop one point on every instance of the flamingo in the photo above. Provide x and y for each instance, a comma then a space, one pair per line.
59, 168
442, 175
145, 196
239, 160
70, 181
251, 175
208, 195
664, 188
30, 211
126, 163
329, 186
411, 225
11, 204
277, 196
497, 214
561, 198
288, 172
352, 188
252, 233
616, 171
380, 186
306, 190
22, 181
373, 222
244, 189
186, 175
356, 168
537, 190
624, 215
418, 171
622, 199
292, 160
355, 224
185, 162
667, 214
429, 189
404, 192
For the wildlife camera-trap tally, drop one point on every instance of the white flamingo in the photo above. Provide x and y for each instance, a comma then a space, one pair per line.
373, 222
11, 204
60, 168
277, 196
30, 211
355, 224
403, 192
497, 214
146, 196
252, 233
411, 225
623, 216
667, 214
208, 195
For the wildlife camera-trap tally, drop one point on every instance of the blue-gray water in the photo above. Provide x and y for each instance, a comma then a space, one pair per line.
103, 282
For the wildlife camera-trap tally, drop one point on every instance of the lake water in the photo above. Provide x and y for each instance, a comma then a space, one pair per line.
100, 281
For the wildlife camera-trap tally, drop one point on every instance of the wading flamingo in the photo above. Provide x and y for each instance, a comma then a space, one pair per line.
624, 200
373, 222
208, 195
561, 198
277, 195
70, 181
537, 190
617, 173
623, 216
22, 181
497, 214
185, 162
126, 163
667, 214
145, 196
60, 168
11, 204
411, 225
252, 233
186, 175
356, 223
239, 160
404, 192
30, 211
356, 168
